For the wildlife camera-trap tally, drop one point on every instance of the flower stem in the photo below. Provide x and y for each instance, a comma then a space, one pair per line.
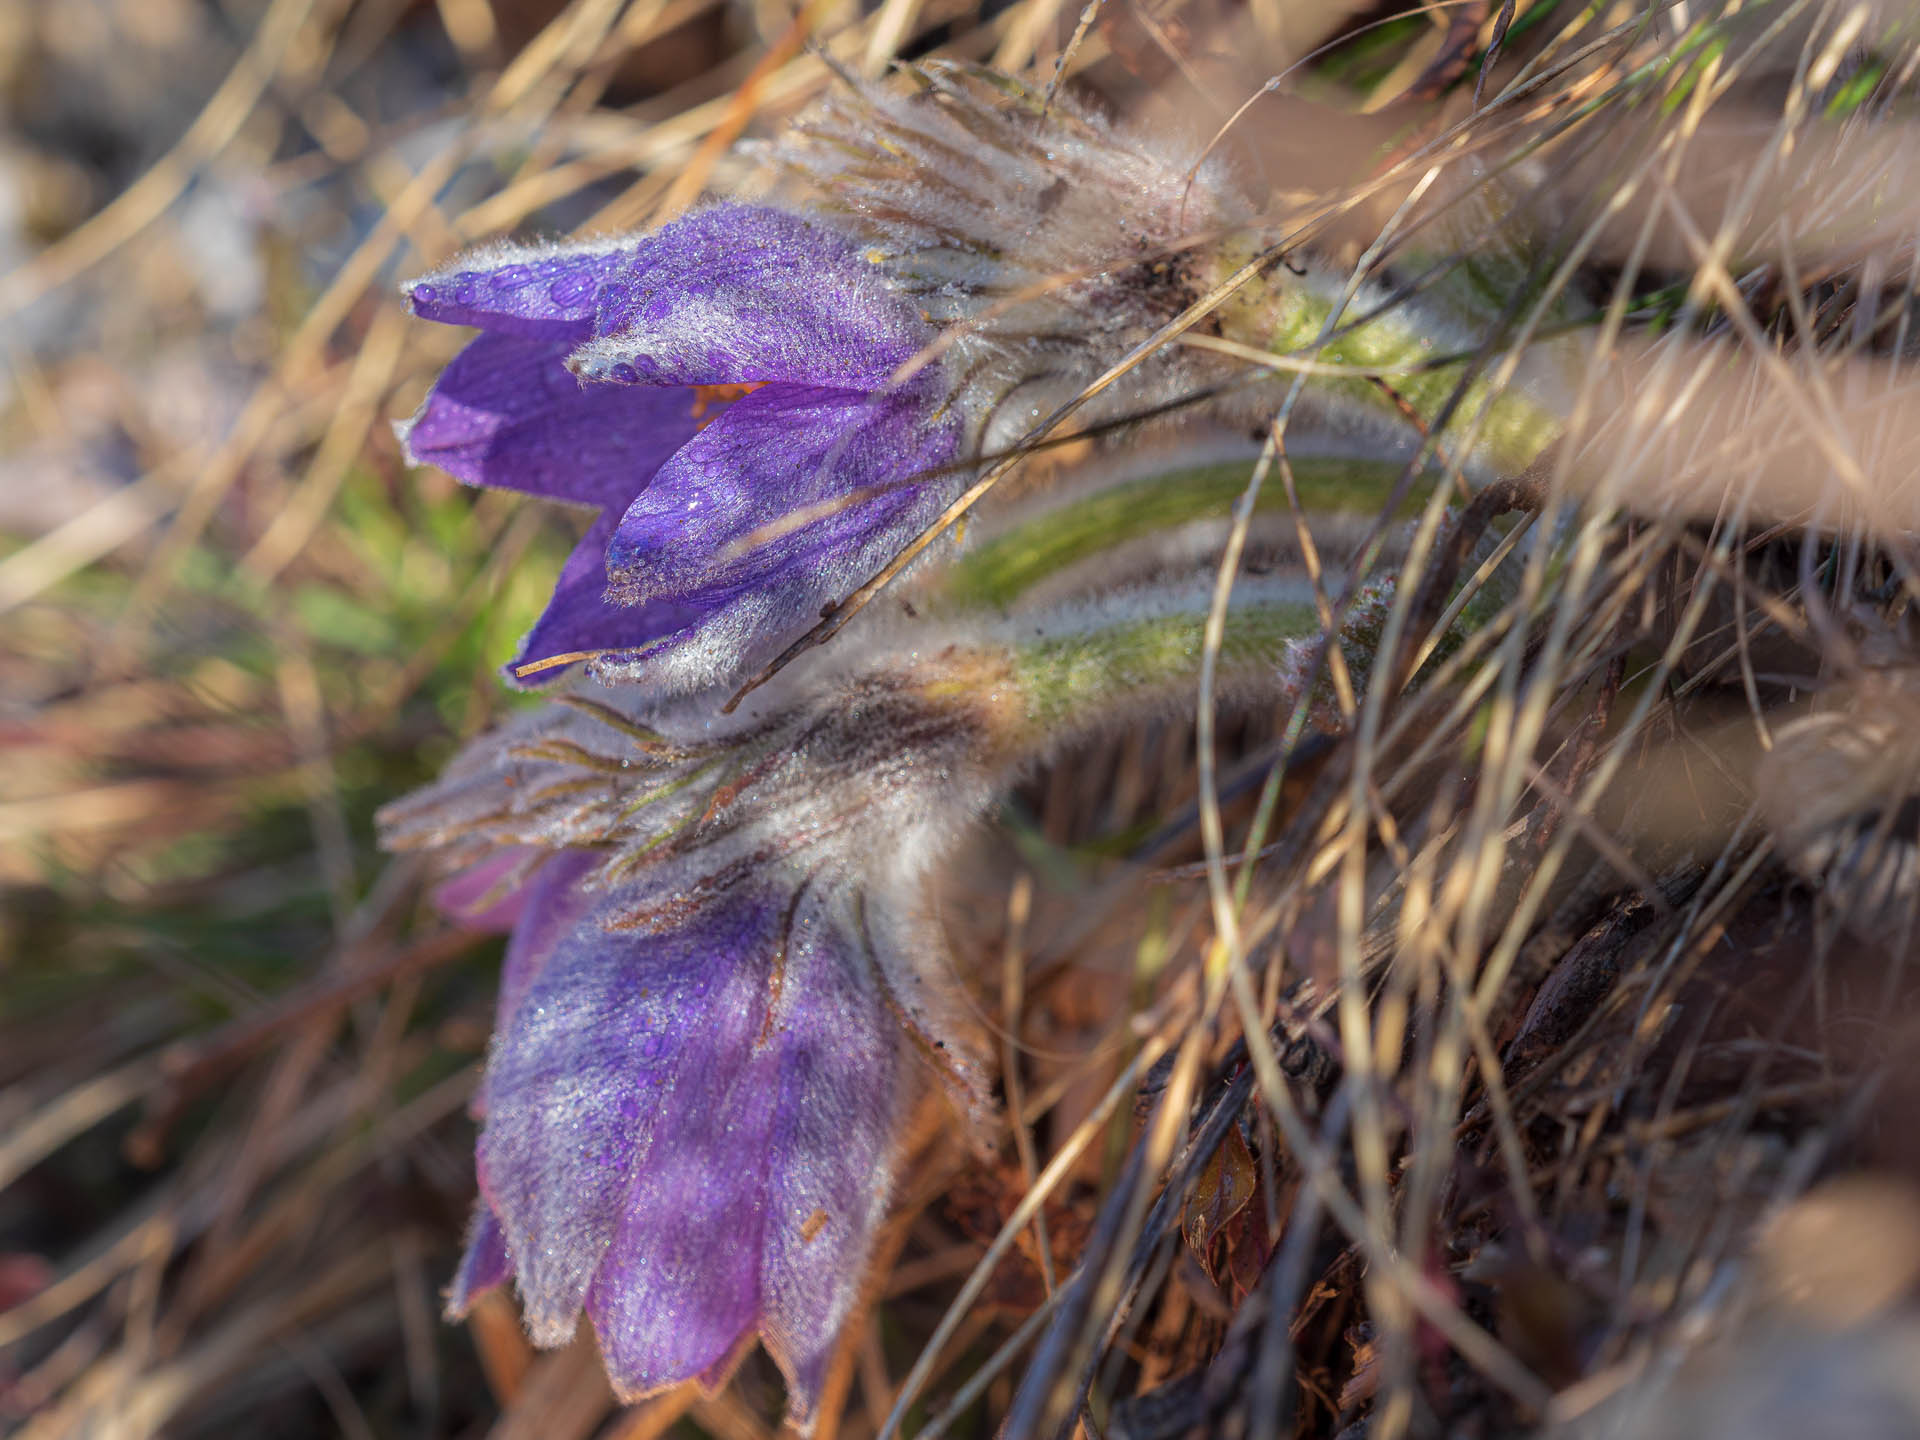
1002, 570
1403, 354
1074, 680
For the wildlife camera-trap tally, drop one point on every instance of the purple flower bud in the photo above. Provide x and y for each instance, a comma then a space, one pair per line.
705, 1048
763, 409
689, 1132
722, 393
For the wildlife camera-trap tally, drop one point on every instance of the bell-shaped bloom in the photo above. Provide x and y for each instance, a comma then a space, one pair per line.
721, 997
731, 394
689, 1133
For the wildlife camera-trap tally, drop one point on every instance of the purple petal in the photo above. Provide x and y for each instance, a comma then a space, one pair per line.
544, 291
727, 629
679, 1289
830, 1163
489, 895
786, 455
619, 1107
712, 634
507, 414
742, 293
484, 1266
552, 903
581, 620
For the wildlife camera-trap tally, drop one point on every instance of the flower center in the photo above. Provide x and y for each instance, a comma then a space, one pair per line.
716, 398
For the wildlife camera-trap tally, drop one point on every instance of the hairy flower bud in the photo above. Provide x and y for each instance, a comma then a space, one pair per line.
697, 387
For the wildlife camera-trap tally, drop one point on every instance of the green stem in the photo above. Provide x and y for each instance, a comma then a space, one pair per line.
1073, 680
1000, 571
1405, 346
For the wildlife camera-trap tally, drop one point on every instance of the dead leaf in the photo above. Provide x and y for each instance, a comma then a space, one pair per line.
1225, 1187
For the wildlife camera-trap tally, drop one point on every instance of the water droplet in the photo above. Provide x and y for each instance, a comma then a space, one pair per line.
511, 277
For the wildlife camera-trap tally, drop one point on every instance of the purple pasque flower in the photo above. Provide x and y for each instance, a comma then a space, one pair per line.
723, 392
719, 1001
689, 1132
